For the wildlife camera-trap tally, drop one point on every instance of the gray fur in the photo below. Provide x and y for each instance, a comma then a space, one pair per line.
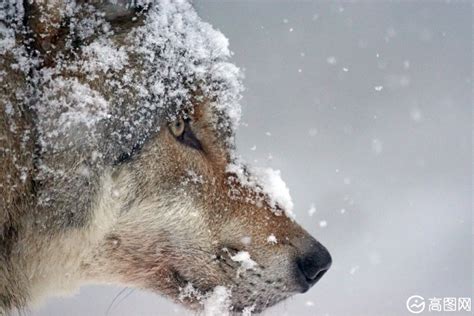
94, 185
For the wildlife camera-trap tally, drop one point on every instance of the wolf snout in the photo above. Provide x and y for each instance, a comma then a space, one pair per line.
312, 263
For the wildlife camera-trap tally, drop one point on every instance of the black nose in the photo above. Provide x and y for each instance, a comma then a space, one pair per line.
312, 264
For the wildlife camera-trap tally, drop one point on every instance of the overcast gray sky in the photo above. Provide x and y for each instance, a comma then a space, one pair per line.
366, 110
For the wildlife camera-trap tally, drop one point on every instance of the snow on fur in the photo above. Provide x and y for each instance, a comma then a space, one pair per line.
180, 56
218, 303
272, 239
266, 181
243, 257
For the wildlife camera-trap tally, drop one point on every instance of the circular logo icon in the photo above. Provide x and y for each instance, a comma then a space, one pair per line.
415, 304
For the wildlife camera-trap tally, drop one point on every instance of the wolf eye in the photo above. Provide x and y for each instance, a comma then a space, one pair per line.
181, 130
177, 127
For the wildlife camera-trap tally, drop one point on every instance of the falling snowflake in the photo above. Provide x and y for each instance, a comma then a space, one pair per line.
416, 115
331, 60
353, 270
377, 146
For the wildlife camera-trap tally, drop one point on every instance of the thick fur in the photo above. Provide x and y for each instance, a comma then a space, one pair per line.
148, 210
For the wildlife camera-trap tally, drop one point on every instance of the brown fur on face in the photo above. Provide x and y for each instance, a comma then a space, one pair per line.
203, 217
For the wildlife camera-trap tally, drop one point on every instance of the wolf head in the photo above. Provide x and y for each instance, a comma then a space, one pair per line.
190, 223
135, 179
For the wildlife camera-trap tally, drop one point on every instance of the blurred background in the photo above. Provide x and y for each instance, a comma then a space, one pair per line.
366, 108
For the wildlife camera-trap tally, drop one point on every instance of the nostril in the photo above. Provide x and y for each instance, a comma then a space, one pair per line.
319, 275
310, 268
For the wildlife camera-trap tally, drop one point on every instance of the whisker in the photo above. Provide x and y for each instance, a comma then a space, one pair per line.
113, 301
126, 296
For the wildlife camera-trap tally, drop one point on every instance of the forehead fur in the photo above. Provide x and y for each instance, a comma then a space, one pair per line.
130, 79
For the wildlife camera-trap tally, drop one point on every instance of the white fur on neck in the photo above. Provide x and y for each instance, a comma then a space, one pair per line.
55, 269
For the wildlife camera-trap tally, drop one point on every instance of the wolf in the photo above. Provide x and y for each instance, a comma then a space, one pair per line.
119, 166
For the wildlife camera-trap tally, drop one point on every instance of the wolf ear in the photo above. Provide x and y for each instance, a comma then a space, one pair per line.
49, 20
44, 19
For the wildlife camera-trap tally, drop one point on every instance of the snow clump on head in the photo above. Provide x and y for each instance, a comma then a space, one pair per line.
190, 57
266, 182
